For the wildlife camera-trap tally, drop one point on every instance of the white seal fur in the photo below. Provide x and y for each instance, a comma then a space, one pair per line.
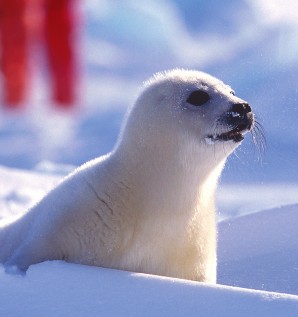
148, 206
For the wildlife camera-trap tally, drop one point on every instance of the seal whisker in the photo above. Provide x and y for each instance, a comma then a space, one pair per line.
259, 139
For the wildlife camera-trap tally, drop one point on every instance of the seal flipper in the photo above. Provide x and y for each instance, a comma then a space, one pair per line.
31, 251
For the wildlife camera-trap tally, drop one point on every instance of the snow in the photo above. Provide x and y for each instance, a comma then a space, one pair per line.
236, 200
60, 289
259, 250
20, 189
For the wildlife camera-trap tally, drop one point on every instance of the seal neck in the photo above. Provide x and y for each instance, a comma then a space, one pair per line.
168, 181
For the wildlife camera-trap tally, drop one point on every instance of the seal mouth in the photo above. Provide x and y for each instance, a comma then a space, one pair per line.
233, 125
236, 134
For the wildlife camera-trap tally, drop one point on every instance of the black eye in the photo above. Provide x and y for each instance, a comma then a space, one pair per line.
198, 98
232, 93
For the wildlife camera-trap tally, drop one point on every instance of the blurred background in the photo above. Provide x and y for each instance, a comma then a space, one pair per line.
71, 68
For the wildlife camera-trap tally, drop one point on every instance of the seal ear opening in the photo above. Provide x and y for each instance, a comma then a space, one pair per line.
198, 98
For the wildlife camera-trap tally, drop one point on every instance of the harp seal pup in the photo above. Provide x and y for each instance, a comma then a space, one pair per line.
148, 206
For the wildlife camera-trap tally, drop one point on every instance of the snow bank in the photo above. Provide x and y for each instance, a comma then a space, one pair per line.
19, 189
239, 200
260, 250
60, 289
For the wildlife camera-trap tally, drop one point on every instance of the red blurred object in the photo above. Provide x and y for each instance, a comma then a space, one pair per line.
13, 50
52, 21
58, 32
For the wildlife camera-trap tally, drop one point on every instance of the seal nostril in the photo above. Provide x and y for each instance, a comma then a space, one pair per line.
247, 107
241, 108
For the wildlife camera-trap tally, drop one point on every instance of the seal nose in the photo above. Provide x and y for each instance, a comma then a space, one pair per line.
241, 108
241, 114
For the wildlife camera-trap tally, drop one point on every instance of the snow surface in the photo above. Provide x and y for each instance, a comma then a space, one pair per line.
260, 250
256, 251
59, 289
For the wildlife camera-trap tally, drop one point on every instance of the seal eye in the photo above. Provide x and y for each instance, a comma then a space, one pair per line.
198, 98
